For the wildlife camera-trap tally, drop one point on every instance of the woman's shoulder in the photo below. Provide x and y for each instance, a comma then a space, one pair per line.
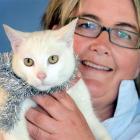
132, 132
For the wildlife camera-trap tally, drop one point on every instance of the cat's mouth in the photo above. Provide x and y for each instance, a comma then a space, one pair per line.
90, 64
43, 86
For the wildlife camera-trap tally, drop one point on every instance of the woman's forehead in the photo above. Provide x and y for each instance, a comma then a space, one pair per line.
109, 12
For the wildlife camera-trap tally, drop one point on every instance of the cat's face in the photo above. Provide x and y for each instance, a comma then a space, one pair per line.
44, 59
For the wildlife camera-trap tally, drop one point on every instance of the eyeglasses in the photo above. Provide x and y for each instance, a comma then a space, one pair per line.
120, 37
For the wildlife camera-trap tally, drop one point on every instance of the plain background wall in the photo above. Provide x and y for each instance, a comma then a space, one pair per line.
24, 15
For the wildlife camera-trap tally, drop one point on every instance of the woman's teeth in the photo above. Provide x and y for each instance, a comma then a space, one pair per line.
95, 66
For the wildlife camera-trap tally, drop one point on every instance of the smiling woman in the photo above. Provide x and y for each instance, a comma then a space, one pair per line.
107, 42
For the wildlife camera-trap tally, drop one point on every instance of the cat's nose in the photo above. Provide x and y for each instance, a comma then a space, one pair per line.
41, 75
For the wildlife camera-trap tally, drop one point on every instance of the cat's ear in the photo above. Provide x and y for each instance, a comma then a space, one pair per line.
67, 32
15, 37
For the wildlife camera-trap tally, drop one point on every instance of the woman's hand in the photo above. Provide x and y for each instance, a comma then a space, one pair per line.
57, 118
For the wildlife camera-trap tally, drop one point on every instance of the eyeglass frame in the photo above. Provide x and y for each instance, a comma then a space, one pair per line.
108, 30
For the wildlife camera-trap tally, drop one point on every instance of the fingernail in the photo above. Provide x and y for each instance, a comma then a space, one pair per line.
79, 74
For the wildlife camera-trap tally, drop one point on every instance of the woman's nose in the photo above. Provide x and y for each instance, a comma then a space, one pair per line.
101, 45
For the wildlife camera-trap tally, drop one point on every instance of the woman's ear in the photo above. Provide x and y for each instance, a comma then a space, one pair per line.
55, 27
138, 71
15, 37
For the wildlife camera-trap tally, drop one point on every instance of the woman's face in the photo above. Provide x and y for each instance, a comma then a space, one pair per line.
105, 65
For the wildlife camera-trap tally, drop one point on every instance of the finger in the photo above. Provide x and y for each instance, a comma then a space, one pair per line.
40, 109
36, 133
52, 106
41, 120
65, 99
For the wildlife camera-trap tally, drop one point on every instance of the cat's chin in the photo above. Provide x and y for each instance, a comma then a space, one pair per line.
43, 87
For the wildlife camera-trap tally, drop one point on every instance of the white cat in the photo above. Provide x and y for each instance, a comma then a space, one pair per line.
45, 59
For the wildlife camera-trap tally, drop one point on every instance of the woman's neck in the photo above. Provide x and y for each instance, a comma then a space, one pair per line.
105, 113
103, 99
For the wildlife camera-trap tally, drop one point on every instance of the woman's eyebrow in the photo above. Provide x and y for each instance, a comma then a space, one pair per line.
124, 24
91, 16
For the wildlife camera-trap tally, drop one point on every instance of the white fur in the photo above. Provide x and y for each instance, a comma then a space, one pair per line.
39, 46
81, 96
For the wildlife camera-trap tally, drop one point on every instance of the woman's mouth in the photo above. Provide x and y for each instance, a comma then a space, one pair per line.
96, 66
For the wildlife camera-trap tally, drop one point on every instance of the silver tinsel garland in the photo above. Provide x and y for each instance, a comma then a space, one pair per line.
18, 90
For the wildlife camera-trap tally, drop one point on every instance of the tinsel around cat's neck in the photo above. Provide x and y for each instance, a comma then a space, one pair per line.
18, 90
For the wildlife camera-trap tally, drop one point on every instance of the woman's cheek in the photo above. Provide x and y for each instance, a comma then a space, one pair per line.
79, 45
76, 47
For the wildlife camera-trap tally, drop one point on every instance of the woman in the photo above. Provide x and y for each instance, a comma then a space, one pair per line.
107, 43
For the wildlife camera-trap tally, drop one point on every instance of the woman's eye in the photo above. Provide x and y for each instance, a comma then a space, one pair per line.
124, 35
28, 62
53, 59
87, 25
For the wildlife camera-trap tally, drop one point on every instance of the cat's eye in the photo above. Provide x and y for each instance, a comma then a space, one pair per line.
53, 59
28, 62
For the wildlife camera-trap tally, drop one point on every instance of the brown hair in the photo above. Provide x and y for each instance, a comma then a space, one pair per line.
137, 8
58, 11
